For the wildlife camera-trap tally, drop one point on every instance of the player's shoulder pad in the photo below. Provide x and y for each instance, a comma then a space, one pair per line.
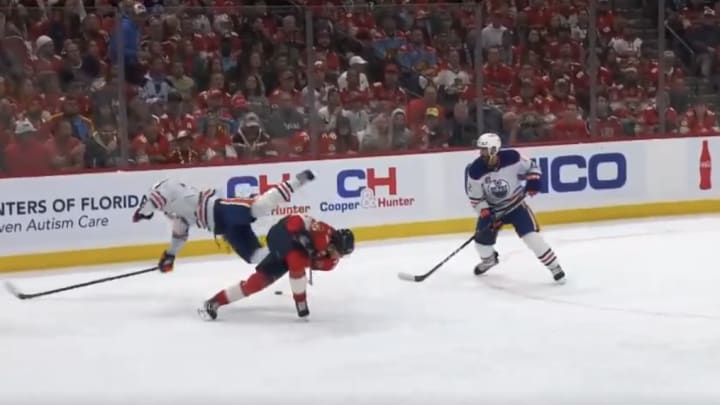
478, 168
508, 157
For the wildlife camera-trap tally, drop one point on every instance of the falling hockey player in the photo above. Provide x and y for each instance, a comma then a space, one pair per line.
294, 243
496, 184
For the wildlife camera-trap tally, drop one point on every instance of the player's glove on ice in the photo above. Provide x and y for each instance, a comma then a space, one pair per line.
532, 184
167, 262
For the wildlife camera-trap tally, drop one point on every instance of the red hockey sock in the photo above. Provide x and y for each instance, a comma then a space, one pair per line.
256, 282
221, 298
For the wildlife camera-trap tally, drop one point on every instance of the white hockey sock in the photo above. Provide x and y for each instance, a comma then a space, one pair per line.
259, 254
234, 293
279, 194
484, 251
542, 250
298, 285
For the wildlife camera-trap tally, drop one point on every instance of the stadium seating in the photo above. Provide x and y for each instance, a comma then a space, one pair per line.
92, 85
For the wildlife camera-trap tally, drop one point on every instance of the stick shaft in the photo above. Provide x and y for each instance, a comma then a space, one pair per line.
85, 284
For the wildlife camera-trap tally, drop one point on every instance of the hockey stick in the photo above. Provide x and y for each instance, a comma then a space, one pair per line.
422, 277
14, 291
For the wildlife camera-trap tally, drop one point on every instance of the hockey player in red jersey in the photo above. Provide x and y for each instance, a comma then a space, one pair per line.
295, 243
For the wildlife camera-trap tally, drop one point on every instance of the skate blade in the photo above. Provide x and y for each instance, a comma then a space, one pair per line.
205, 315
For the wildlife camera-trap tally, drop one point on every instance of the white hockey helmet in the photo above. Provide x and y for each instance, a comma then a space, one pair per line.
491, 142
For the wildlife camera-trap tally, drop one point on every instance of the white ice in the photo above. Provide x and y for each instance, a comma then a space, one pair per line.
638, 320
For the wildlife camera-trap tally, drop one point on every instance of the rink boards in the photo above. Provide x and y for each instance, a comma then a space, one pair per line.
84, 219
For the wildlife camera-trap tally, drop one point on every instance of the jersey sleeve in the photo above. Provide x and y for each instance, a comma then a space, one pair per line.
179, 236
157, 198
475, 192
528, 167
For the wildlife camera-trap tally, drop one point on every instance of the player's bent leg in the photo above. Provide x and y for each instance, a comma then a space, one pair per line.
256, 282
528, 230
245, 243
484, 245
267, 272
279, 194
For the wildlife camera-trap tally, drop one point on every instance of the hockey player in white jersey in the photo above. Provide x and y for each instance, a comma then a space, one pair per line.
230, 218
496, 184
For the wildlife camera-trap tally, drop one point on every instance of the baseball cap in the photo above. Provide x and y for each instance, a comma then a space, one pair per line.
358, 60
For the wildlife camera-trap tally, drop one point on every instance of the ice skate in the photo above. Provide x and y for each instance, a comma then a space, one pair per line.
558, 274
209, 310
486, 264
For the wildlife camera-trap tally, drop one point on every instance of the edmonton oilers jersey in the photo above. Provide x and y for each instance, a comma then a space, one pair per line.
500, 188
184, 204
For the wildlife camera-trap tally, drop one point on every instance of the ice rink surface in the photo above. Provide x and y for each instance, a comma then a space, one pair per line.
637, 322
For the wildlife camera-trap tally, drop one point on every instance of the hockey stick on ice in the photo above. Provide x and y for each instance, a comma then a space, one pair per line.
14, 291
422, 277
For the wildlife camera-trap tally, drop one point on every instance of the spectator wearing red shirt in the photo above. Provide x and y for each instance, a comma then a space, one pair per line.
495, 73
215, 144
287, 87
649, 118
353, 89
183, 152
150, 147
608, 125
45, 59
538, 16
418, 107
26, 155
325, 53
66, 151
699, 120
569, 126
388, 94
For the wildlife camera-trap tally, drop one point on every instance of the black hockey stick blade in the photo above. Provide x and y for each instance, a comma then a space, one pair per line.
421, 277
14, 291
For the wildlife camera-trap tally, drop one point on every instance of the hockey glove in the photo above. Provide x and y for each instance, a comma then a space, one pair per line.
167, 262
533, 184
139, 216
487, 219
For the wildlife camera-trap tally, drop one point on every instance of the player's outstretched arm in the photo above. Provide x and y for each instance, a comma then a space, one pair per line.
178, 238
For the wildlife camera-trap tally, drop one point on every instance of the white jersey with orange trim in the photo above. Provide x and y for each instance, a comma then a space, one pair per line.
500, 188
185, 205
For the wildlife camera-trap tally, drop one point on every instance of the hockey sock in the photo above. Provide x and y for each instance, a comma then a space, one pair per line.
277, 195
256, 282
484, 251
298, 285
542, 250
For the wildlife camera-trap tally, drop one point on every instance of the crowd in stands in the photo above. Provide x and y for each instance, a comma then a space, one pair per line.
213, 81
